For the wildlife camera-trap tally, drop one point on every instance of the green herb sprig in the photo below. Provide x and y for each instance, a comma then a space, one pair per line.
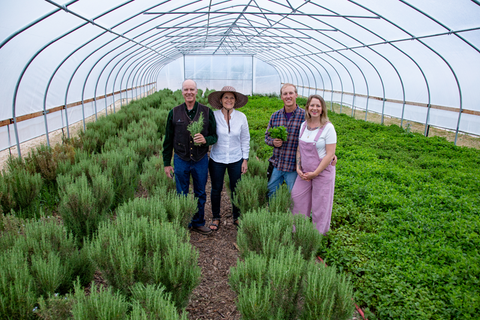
196, 127
279, 132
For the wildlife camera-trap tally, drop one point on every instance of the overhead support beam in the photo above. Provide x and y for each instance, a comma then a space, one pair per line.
238, 36
237, 44
266, 13
247, 27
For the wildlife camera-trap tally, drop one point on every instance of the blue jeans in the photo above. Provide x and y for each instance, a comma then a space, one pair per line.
199, 172
278, 177
217, 174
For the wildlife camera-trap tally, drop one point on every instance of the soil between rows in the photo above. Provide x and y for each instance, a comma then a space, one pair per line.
213, 298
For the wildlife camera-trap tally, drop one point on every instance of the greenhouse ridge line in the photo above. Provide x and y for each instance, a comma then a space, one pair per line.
264, 13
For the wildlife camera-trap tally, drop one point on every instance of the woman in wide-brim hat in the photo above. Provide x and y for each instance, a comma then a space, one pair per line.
230, 153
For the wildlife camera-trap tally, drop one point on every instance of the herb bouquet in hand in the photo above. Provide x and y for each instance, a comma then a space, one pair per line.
196, 127
279, 132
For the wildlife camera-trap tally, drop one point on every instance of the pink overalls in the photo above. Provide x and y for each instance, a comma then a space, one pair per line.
316, 195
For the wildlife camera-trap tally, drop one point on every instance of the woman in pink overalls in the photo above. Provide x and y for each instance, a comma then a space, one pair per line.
312, 193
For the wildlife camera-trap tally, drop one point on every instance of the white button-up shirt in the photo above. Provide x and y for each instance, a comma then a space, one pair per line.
234, 146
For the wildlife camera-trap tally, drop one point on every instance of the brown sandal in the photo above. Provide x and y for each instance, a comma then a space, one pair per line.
216, 225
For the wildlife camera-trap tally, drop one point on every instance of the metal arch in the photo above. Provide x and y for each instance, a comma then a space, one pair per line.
141, 80
329, 77
135, 58
142, 60
376, 70
360, 69
421, 70
86, 43
106, 30
346, 69
351, 78
53, 75
293, 66
28, 26
287, 68
368, 61
43, 48
305, 63
126, 49
301, 77
406, 54
380, 77
107, 64
153, 74
90, 71
441, 24
313, 75
328, 73
141, 65
142, 69
111, 71
17, 86
448, 64
123, 75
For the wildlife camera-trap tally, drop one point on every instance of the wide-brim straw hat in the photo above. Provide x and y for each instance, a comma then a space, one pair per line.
215, 97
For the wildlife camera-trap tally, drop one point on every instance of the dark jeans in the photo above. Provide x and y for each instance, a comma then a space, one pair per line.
199, 172
217, 174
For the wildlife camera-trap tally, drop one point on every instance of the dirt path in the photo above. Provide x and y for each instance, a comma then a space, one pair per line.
213, 298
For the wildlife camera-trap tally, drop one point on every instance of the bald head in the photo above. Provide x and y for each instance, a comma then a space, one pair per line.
189, 92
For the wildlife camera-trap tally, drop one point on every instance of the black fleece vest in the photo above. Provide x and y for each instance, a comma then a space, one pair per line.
183, 144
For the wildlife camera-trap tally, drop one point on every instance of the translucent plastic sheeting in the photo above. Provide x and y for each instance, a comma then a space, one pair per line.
415, 52
245, 74
35, 127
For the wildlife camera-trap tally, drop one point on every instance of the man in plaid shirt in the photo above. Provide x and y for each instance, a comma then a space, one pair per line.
291, 117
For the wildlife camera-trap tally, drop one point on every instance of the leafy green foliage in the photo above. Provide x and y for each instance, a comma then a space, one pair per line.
279, 132
405, 222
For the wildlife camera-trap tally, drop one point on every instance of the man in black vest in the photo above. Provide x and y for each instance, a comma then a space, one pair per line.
190, 159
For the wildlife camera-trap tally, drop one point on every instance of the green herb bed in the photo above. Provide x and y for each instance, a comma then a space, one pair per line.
405, 221
405, 224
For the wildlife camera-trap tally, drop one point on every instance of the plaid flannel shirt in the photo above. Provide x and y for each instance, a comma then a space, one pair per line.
283, 158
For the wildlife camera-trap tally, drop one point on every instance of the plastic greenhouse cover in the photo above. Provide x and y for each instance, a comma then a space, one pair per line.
416, 59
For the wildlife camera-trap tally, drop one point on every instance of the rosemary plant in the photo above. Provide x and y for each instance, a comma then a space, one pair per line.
196, 127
